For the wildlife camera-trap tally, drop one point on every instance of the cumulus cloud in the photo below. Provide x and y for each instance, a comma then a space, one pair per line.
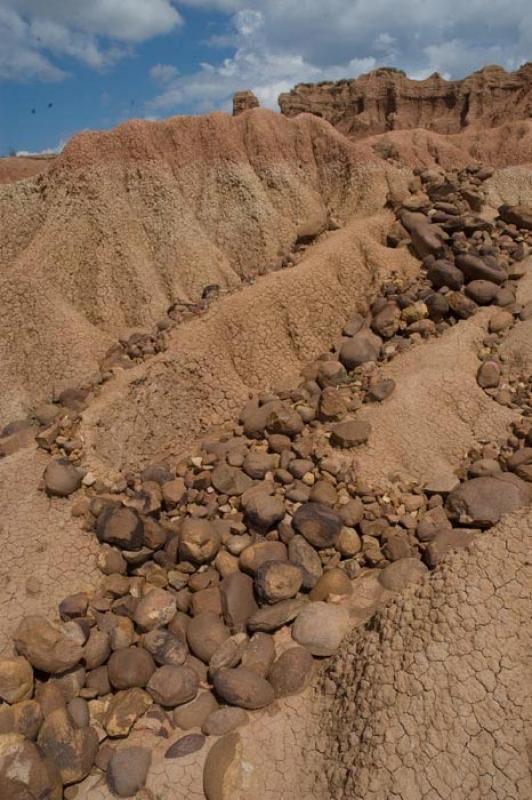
163, 73
33, 33
277, 44
255, 65
401, 30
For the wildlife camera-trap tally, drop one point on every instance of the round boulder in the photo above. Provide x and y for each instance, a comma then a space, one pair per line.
199, 541
319, 524
127, 770
291, 672
130, 667
120, 526
350, 433
278, 580
16, 679
363, 347
172, 686
46, 646
243, 687
205, 633
320, 628
481, 502
61, 478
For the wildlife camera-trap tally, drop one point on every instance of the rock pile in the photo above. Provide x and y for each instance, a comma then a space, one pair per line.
226, 575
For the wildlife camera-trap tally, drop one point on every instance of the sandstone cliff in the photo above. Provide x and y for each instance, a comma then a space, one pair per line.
386, 100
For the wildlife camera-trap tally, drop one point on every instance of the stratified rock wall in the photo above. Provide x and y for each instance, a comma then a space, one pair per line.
386, 100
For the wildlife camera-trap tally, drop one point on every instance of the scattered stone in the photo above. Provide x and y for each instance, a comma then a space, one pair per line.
199, 541
381, 390
270, 618
332, 582
71, 749
238, 601
224, 720
120, 526
46, 646
61, 478
446, 540
363, 347
397, 576
205, 633
489, 375
500, 321
350, 433
156, 609
24, 718
230, 480
482, 292
243, 687
444, 273
321, 627
348, 543
481, 502
256, 554
24, 773
194, 714
218, 761
172, 686
292, 671
318, 524
264, 512
16, 680
304, 556
186, 745
127, 770
165, 647
259, 653
124, 709
278, 580
130, 667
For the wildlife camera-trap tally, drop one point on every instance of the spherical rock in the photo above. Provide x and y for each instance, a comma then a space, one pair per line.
352, 512
278, 580
238, 600
165, 647
120, 526
72, 749
319, 524
205, 633
350, 433
195, 713
396, 576
172, 686
332, 582
127, 770
500, 321
199, 541
256, 554
481, 502
155, 610
130, 667
259, 653
224, 720
230, 480
61, 478
304, 556
46, 646
363, 347
348, 543
324, 493
16, 679
320, 628
264, 512
291, 672
243, 687
482, 292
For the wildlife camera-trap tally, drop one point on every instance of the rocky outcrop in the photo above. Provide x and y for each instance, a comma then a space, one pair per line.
386, 100
244, 101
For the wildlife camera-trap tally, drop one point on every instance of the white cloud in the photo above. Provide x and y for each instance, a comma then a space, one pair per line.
50, 151
95, 32
254, 65
163, 73
277, 44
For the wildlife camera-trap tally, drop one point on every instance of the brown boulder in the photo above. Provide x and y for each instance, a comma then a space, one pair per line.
350, 433
61, 478
121, 527
128, 769
291, 672
481, 502
16, 680
278, 580
199, 541
46, 646
319, 524
205, 633
172, 686
130, 667
238, 600
243, 687
72, 749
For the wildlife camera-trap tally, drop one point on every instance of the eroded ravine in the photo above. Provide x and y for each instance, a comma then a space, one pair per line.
386, 533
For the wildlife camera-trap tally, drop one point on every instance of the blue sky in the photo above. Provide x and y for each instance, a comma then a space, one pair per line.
70, 65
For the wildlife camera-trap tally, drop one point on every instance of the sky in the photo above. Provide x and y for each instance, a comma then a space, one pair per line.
72, 65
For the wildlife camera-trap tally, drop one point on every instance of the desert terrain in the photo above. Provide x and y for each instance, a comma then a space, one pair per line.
266, 450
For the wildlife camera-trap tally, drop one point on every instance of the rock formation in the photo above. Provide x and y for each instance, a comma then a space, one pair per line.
386, 100
244, 101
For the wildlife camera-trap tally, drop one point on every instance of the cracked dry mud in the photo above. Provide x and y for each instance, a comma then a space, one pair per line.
424, 694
